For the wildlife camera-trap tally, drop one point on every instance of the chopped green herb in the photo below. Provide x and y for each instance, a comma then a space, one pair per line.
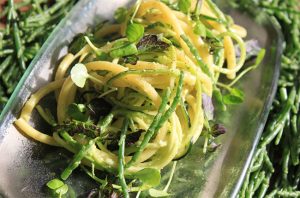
77, 112
55, 183
127, 50
184, 5
158, 193
234, 97
79, 74
77, 44
134, 32
200, 29
58, 187
149, 176
218, 100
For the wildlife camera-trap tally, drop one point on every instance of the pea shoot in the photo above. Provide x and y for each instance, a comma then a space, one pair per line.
79, 75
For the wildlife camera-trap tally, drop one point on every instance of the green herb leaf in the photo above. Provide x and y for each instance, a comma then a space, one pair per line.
77, 44
103, 56
184, 5
238, 93
158, 193
79, 74
119, 43
231, 99
120, 14
200, 29
62, 190
236, 96
134, 32
77, 112
126, 50
149, 176
55, 183
131, 59
218, 100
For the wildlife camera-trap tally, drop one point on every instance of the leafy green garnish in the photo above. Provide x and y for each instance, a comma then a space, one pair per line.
218, 100
119, 43
77, 44
149, 176
200, 29
55, 183
134, 32
131, 59
79, 74
62, 190
184, 5
127, 50
158, 193
235, 96
120, 14
58, 187
77, 112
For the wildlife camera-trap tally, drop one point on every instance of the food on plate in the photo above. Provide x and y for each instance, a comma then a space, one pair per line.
136, 94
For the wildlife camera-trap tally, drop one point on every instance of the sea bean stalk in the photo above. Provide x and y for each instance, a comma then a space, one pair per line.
275, 168
25, 27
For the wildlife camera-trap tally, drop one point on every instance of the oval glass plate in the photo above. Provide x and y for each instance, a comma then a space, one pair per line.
26, 165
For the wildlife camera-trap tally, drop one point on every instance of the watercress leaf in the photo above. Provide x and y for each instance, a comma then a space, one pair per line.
151, 43
119, 43
134, 32
200, 29
127, 50
55, 183
238, 93
149, 176
62, 190
208, 106
76, 111
232, 99
77, 44
79, 74
120, 14
103, 56
218, 100
184, 5
158, 193
235, 96
131, 59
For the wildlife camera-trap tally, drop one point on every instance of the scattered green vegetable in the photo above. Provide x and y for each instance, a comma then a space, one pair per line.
79, 75
134, 32
184, 5
276, 159
58, 187
121, 158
